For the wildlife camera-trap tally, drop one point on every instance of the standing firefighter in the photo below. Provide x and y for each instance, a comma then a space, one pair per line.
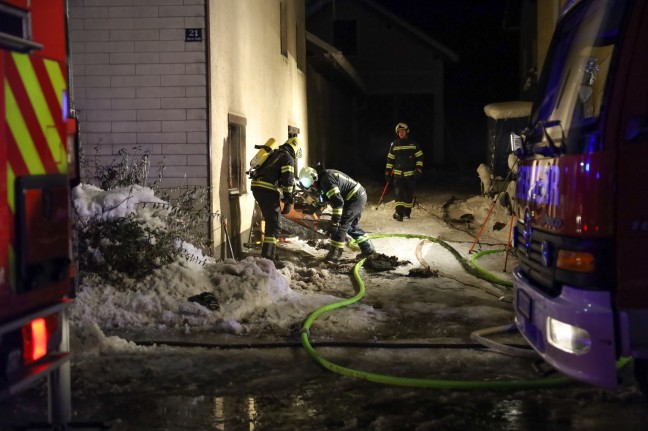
347, 198
404, 167
275, 174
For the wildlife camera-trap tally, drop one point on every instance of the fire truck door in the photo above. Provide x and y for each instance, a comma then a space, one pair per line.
632, 202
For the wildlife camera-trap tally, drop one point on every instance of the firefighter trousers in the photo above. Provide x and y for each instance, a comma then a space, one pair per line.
404, 188
268, 201
351, 214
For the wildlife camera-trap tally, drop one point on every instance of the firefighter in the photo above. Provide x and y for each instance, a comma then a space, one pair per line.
404, 167
347, 199
273, 182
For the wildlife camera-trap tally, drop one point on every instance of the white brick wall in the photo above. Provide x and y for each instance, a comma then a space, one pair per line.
138, 84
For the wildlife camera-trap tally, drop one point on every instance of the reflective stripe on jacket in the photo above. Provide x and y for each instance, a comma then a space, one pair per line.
404, 157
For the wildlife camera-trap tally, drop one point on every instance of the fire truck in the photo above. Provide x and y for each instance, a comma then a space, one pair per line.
581, 286
38, 167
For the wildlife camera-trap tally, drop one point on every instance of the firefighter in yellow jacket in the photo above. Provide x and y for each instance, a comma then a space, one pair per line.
276, 174
404, 168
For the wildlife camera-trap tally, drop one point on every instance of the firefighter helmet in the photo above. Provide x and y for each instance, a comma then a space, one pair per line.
402, 126
307, 176
296, 145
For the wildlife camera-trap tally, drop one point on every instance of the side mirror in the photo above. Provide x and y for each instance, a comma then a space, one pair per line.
516, 142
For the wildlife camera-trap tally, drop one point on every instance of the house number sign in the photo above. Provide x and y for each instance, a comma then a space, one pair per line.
193, 35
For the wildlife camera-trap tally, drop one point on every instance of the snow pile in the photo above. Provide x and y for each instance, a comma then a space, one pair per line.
250, 296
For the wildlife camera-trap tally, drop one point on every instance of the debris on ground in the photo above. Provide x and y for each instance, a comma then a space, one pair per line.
499, 225
382, 262
464, 218
424, 272
206, 299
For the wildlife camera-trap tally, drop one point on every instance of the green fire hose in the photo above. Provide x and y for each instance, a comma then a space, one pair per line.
416, 382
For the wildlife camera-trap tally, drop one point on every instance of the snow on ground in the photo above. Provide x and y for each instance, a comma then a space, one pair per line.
253, 296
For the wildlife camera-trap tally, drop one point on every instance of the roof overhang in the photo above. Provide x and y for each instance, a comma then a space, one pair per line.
332, 63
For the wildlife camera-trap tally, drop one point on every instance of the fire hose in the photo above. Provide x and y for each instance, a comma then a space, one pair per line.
419, 382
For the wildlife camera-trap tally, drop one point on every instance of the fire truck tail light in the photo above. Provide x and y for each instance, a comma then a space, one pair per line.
36, 337
578, 261
568, 338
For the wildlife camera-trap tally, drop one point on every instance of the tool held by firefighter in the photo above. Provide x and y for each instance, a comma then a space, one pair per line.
387, 181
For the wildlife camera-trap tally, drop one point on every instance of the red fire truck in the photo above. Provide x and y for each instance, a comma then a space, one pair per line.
38, 166
581, 287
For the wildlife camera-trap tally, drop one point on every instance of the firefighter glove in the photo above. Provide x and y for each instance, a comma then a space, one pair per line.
333, 228
288, 198
417, 174
287, 207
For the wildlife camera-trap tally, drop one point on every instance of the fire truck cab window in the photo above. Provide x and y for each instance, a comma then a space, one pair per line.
13, 22
575, 92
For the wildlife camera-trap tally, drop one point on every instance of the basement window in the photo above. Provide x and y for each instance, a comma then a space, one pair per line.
236, 154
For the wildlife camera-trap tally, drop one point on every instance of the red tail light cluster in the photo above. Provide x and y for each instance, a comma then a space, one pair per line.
36, 337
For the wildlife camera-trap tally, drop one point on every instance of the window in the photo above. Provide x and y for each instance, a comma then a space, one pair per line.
345, 36
283, 23
15, 30
573, 89
236, 154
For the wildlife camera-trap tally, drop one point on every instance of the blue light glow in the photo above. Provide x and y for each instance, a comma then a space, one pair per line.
66, 104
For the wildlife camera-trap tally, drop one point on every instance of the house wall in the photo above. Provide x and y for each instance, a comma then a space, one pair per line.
250, 78
331, 124
548, 14
137, 85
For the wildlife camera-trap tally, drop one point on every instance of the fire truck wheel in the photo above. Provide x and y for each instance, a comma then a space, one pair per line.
641, 375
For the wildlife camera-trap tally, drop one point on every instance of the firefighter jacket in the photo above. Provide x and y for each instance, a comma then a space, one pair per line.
404, 157
278, 172
338, 188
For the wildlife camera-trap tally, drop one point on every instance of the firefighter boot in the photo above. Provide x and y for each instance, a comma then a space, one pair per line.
334, 254
268, 251
398, 216
366, 249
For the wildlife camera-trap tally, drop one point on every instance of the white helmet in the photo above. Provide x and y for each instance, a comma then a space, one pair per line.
307, 176
402, 126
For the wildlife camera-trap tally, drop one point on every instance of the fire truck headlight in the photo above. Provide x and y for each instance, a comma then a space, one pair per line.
568, 338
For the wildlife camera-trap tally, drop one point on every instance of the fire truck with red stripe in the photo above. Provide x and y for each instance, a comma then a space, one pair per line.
581, 286
38, 167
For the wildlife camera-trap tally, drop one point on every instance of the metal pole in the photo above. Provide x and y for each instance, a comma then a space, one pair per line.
482, 226
508, 244
58, 383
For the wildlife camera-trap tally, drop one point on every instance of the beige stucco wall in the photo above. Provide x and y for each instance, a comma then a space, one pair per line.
548, 13
250, 78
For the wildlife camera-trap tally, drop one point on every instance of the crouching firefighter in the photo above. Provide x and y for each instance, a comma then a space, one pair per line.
273, 182
347, 199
